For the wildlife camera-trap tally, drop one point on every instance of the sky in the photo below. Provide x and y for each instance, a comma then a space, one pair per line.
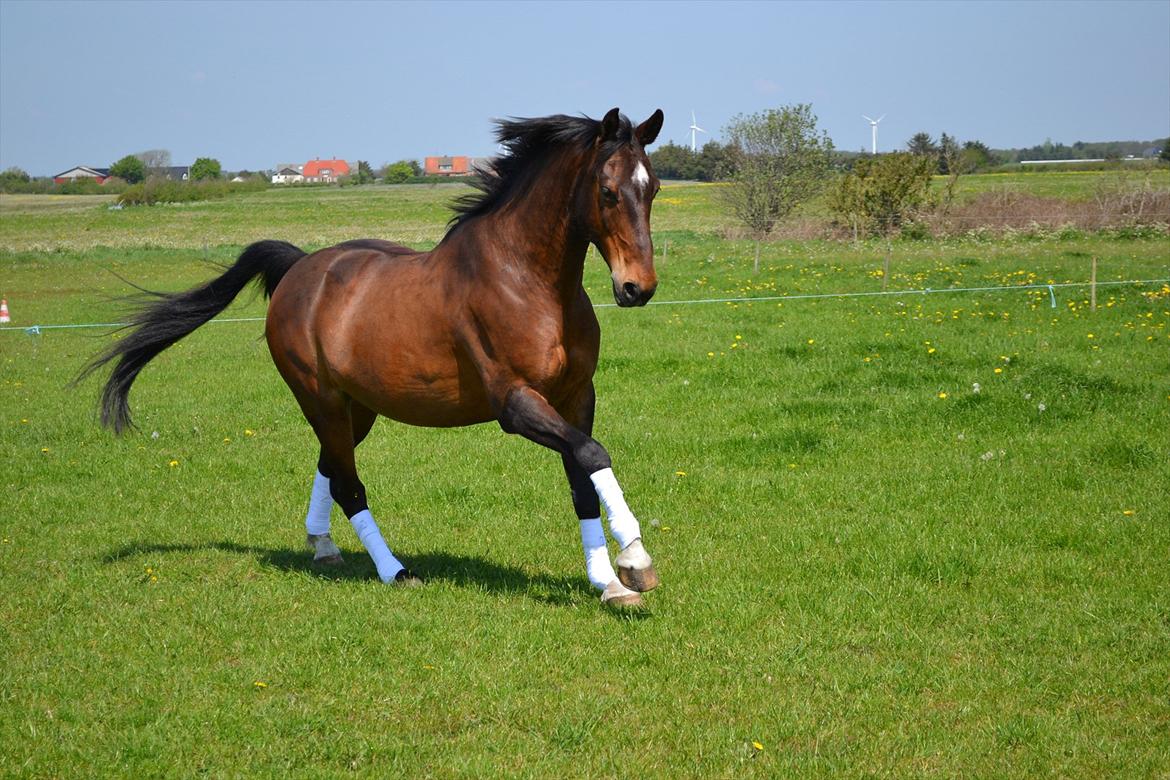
256, 84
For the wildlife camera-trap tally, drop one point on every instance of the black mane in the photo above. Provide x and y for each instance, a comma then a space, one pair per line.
530, 143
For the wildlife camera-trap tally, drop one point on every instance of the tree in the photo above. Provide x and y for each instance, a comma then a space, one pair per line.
952, 164
671, 161
130, 168
397, 173
155, 160
713, 163
882, 192
976, 155
922, 144
365, 174
777, 161
205, 168
1165, 154
13, 180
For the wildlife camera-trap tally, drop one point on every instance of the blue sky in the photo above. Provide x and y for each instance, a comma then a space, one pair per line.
254, 84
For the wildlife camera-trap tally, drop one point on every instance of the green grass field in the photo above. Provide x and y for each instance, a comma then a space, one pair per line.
903, 535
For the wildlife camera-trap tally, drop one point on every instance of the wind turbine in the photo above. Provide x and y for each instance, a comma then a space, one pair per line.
874, 123
694, 128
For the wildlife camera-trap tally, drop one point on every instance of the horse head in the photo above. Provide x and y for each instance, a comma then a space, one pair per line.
616, 201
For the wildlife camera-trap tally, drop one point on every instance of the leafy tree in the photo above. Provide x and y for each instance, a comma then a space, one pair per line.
365, 174
13, 180
205, 168
882, 192
1165, 155
976, 155
714, 162
922, 144
672, 161
397, 173
129, 168
777, 161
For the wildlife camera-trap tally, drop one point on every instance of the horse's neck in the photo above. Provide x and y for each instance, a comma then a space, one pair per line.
540, 225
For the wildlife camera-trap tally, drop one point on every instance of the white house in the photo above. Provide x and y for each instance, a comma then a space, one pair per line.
288, 174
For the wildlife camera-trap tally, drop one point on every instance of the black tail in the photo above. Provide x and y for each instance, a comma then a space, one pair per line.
162, 322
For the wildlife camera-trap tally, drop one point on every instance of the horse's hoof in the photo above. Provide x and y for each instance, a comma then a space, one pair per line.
635, 569
406, 579
618, 595
325, 552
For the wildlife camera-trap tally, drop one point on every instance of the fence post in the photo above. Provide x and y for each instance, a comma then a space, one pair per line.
886, 266
1093, 286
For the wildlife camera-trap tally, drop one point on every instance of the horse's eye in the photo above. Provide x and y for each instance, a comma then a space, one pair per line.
609, 196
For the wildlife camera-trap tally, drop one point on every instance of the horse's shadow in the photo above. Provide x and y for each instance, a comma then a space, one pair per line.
460, 570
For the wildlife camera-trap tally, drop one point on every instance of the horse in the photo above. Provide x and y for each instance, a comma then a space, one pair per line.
492, 324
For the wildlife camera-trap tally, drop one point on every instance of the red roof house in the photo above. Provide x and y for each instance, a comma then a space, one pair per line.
325, 170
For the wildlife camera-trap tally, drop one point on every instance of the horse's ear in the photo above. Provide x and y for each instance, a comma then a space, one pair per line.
609, 125
648, 130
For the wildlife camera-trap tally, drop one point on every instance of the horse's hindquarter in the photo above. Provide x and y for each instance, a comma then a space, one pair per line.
379, 331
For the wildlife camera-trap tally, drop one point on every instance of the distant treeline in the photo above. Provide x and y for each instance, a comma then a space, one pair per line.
712, 161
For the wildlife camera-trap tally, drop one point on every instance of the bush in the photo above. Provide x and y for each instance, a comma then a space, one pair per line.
154, 191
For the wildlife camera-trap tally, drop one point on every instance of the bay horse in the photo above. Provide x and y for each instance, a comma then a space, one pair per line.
492, 324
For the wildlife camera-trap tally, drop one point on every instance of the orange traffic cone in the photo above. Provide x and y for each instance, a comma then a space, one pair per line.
4, 310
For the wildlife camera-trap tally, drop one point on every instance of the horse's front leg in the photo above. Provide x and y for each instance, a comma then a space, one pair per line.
589, 469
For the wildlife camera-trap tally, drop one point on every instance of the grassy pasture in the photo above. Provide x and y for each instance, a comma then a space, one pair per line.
906, 535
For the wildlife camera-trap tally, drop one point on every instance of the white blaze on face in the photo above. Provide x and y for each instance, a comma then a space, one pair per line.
641, 177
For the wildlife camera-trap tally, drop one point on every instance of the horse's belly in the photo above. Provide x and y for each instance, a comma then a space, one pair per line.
435, 400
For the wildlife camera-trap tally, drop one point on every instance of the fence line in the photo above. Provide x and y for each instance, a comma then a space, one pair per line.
35, 330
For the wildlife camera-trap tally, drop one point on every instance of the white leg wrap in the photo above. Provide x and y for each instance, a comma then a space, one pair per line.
320, 505
367, 530
597, 564
622, 523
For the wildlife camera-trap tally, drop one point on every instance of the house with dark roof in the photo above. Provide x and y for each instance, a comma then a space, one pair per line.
172, 172
82, 172
288, 174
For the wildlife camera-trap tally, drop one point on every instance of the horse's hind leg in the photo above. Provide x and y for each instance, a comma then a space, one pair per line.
317, 525
338, 431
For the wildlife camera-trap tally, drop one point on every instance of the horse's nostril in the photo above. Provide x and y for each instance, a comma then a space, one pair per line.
630, 289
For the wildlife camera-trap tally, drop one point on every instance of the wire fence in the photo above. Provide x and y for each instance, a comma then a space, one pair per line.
36, 330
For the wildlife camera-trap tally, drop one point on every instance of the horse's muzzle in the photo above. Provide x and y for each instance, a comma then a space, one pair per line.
632, 294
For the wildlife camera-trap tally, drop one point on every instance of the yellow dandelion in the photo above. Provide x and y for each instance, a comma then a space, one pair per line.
1127, 512
812, 341
680, 473
260, 684
227, 440
942, 395
44, 449
757, 745
998, 370
173, 463
249, 432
